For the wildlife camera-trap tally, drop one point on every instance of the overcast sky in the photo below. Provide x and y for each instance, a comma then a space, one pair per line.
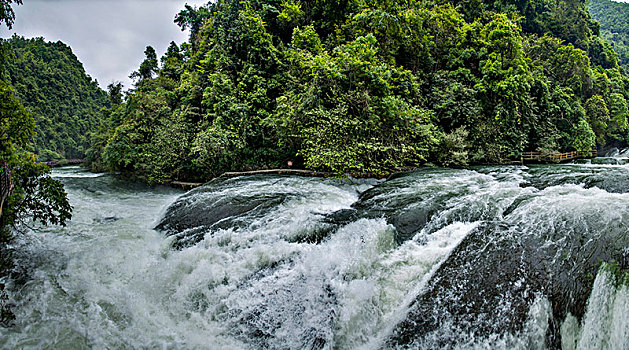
108, 36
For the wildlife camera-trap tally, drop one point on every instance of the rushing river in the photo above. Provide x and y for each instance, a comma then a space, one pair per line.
491, 257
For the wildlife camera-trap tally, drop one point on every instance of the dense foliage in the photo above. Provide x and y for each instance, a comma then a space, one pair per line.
614, 20
34, 195
52, 85
361, 86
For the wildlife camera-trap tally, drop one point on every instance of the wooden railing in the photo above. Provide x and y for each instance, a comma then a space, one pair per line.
556, 157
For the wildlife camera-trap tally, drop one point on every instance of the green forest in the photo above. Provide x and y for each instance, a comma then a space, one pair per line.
53, 86
28, 193
365, 86
614, 20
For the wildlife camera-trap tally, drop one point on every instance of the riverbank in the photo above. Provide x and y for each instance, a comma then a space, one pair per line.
527, 158
295, 172
64, 162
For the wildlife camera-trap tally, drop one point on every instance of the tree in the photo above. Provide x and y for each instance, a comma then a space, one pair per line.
602, 54
192, 18
365, 85
350, 111
7, 16
503, 89
148, 67
562, 63
598, 116
614, 22
114, 91
34, 196
51, 83
618, 114
583, 138
172, 62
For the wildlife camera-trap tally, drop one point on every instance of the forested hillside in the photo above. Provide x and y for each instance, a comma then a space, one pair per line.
53, 86
614, 19
28, 193
359, 86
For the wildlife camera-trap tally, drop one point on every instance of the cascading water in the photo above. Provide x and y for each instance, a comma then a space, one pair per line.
493, 257
606, 322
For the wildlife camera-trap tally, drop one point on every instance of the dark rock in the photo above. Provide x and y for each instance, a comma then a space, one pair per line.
213, 206
468, 289
108, 219
610, 179
489, 282
605, 161
409, 211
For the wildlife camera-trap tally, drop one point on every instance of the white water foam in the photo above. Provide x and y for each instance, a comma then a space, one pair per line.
606, 321
109, 281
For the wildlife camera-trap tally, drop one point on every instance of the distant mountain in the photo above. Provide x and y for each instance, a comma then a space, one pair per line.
614, 19
52, 84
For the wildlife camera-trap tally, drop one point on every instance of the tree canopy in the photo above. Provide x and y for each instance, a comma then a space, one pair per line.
614, 23
34, 196
367, 86
7, 15
53, 86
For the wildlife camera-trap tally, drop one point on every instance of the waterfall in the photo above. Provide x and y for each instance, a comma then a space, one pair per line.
502, 257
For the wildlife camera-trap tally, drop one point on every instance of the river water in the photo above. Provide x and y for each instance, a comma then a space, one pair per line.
489, 257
